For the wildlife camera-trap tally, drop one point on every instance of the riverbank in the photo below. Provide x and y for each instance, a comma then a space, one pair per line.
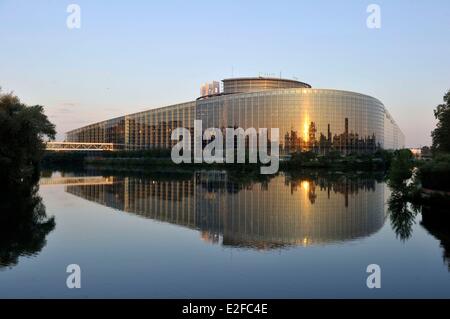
160, 160
420, 182
429, 183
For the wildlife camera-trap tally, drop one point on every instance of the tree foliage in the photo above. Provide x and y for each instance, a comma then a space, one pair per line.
22, 132
435, 174
401, 168
441, 134
23, 221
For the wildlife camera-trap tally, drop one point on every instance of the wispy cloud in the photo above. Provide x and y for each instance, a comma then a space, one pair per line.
71, 104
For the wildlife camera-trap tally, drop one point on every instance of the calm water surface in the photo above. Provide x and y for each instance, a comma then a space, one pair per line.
211, 234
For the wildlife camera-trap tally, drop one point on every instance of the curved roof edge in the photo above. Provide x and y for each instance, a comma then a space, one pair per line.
265, 78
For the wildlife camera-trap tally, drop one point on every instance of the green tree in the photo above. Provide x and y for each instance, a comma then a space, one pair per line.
23, 221
401, 168
22, 132
441, 134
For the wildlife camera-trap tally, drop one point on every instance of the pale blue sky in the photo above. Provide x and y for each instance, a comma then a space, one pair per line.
134, 55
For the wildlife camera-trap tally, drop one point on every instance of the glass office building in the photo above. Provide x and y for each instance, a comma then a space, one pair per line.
308, 119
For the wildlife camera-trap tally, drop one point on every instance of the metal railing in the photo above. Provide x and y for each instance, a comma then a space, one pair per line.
78, 146
72, 181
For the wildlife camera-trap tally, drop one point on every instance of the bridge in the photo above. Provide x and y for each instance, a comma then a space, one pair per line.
76, 146
79, 181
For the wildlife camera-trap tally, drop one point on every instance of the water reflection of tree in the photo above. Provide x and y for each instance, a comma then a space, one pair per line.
436, 220
345, 184
402, 211
23, 222
402, 214
311, 180
406, 202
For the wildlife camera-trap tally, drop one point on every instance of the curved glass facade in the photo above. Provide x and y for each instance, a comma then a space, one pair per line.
308, 119
153, 129
109, 131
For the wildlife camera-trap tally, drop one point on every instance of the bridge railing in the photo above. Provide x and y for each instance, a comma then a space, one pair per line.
77, 181
78, 146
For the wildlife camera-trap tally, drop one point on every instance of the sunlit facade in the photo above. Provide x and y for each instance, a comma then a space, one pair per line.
308, 119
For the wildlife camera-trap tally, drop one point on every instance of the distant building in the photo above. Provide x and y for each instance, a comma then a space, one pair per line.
210, 88
416, 152
421, 153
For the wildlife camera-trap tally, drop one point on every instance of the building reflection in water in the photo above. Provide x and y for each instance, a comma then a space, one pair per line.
279, 212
